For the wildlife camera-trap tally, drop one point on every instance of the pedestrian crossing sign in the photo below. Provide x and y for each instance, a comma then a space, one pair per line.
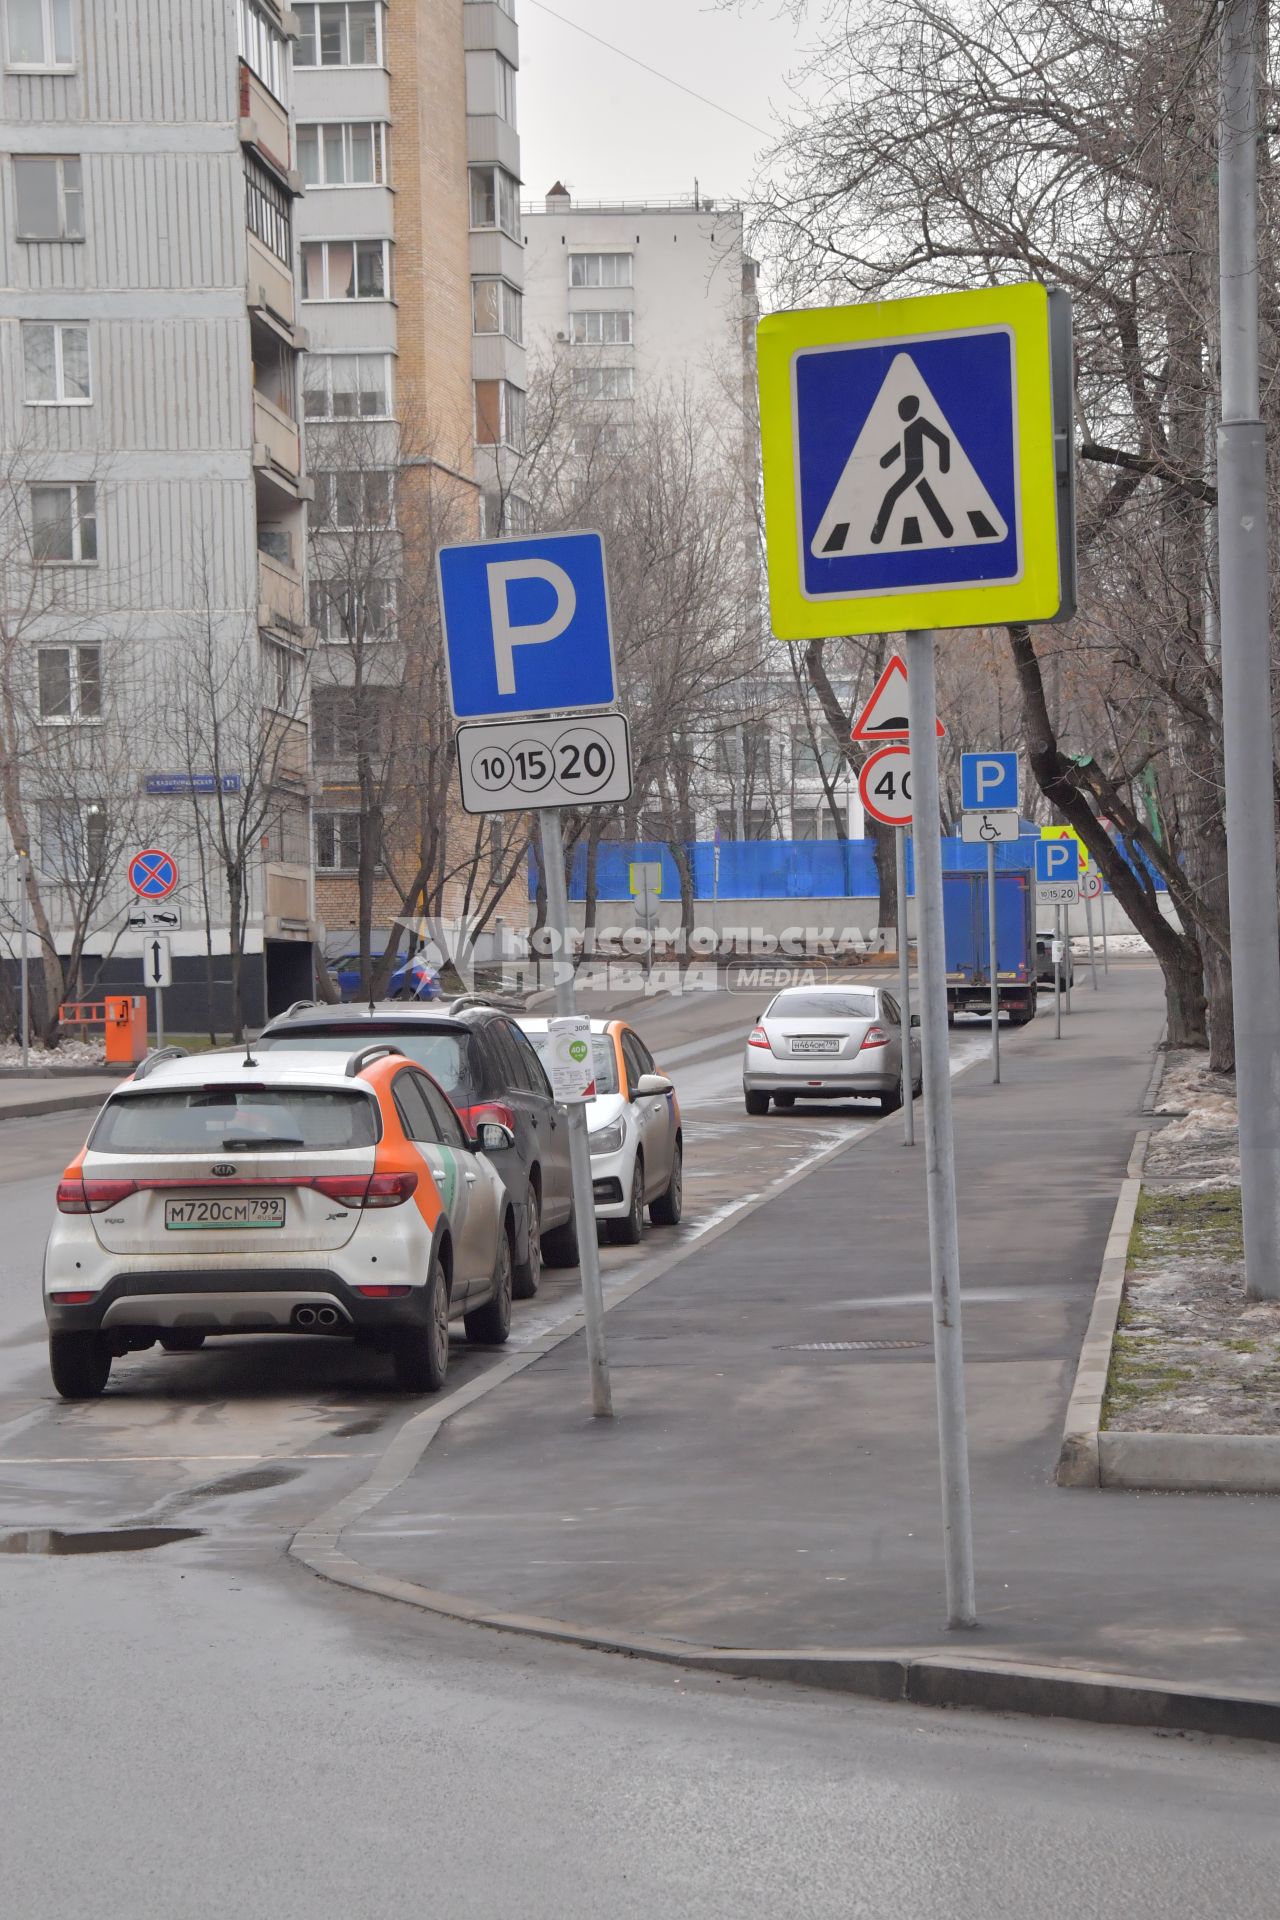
910, 472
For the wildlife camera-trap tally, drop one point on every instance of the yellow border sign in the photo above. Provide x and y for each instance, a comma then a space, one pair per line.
909, 468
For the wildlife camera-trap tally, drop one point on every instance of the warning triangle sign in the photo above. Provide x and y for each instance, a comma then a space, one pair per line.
884, 717
908, 484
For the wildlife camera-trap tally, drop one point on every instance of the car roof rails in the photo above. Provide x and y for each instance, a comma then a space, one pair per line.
297, 1007
465, 1000
367, 1055
156, 1057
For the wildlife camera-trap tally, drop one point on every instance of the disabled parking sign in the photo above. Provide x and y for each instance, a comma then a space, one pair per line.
909, 459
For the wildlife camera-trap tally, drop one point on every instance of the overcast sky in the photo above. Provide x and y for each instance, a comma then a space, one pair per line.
611, 131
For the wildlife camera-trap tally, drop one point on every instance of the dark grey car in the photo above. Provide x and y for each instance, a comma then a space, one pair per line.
489, 1070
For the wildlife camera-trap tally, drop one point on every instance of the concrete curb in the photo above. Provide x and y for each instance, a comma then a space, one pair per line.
1079, 1458
32, 1107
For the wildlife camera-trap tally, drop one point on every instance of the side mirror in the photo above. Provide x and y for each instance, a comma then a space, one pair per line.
652, 1083
915, 1019
493, 1137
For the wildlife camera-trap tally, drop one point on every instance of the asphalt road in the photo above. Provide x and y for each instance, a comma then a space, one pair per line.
204, 1728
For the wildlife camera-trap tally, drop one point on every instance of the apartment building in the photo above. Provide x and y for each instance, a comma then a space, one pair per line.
411, 273
152, 497
644, 298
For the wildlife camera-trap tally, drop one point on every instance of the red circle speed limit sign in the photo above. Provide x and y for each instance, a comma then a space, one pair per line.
885, 785
1091, 885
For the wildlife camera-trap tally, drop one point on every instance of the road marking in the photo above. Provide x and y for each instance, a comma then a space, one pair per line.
167, 1459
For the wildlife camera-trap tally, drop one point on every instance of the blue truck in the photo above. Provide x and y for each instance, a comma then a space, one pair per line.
964, 913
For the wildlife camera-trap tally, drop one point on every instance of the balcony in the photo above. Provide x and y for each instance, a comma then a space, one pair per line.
277, 447
288, 901
270, 289
264, 123
280, 598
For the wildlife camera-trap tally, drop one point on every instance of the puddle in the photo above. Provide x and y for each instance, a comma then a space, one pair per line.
50, 1540
356, 1427
253, 1480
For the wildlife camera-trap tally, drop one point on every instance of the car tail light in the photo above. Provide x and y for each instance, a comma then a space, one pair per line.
757, 1037
367, 1190
874, 1037
76, 1195
473, 1118
78, 1299
383, 1293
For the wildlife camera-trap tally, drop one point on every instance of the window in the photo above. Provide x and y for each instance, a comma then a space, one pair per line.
267, 210
339, 33
447, 1122
338, 842
416, 1117
505, 514
281, 666
602, 383
813, 823
55, 359
69, 683
339, 612
495, 200
224, 1118
38, 33
806, 761
341, 719
346, 269
497, 307
500, 414
491, 86
343, 153
262, 46
609, 329
353, 498
348, 386
64, 523
50, 196
535, 1076
599, 269
73, 839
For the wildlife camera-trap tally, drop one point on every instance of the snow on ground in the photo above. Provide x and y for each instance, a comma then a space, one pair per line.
71, 1053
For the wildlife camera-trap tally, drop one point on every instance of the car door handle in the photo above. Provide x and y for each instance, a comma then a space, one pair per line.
437, 1176
471, 1179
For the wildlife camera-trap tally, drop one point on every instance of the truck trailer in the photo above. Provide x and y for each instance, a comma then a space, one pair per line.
964, 908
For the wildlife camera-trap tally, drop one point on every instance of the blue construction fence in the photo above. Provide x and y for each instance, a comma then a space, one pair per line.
774, 869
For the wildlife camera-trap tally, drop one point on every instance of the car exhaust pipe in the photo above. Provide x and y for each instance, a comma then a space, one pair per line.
304, 1316
327, 1316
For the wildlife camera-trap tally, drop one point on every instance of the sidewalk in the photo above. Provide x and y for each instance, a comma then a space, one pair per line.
761, 1490
25, 1096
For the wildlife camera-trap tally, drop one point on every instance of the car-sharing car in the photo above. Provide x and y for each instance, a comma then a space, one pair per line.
827, 1043
234, 1193
634, 1131
477, 1053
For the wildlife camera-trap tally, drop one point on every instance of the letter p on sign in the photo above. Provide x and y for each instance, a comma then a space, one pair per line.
989, 781
508, 636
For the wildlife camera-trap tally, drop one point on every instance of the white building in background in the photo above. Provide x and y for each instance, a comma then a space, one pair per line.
640, 298
152, 496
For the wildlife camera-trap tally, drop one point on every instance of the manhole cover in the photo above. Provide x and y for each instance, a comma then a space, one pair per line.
849, 1346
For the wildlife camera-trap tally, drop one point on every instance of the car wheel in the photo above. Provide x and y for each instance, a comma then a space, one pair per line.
665, 1210
528, 1272
560, 1245
182, 1340
890, 1102
756, 1103
421, 1353
80, 1364
784, 1102
489, 1325
627, 1232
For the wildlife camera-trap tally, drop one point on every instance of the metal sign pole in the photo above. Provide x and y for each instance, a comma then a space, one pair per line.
1057, 973
24, 908
992, 962
1102, 915
584, 1205
1088, 921
940, 1169
1067, 968
904, 991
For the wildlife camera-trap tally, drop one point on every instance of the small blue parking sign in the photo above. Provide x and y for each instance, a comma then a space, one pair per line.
1057, 860
989, 782
526, 626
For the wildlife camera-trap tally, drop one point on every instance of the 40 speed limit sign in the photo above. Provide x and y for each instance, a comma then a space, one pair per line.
509, 766
885, 785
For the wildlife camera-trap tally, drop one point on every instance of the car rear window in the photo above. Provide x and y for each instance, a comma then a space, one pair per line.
235, 1119
606, 1060
794, 1003
443, 1054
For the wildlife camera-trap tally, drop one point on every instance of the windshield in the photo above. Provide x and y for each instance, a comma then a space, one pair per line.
606, 1060
235, 1119
797, 1004
444, 1055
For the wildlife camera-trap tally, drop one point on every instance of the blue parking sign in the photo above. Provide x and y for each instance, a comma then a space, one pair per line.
1057, 860
989, 782
526, 626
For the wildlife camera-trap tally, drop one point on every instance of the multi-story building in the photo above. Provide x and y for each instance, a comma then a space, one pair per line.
152, 490
411, 295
